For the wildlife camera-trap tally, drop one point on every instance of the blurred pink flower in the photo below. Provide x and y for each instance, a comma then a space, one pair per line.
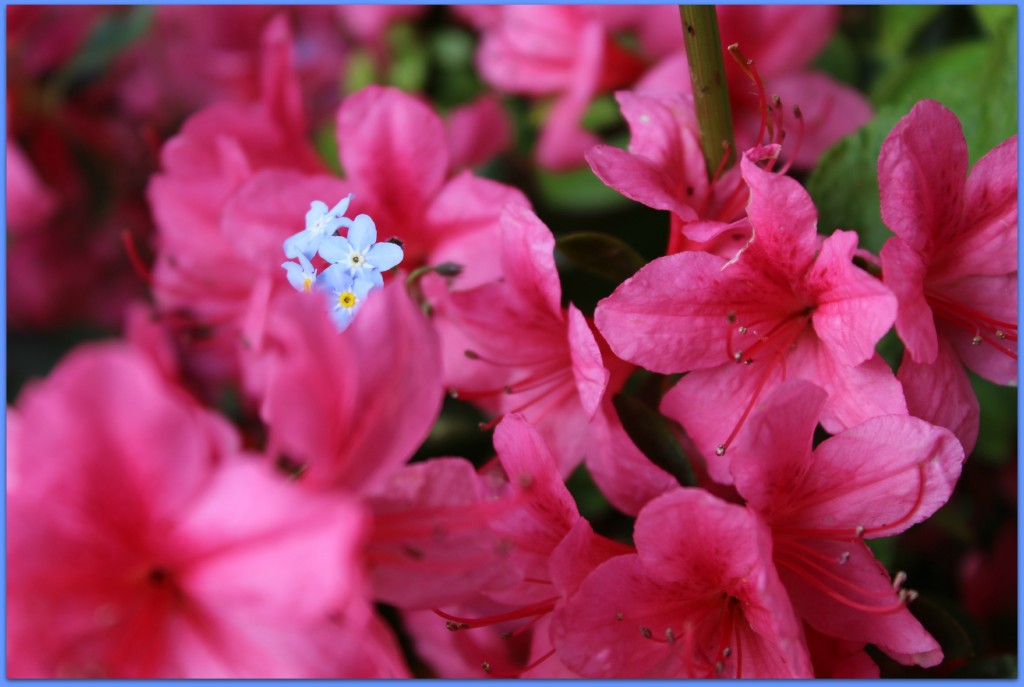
143, 544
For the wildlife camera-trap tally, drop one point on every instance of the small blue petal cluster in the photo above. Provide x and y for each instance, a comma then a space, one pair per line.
355, 262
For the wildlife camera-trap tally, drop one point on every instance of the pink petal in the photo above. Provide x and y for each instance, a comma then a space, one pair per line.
854, 309
904, 271
987, 241
995, 297
885, 475
580, 552
855, 393
781, 432
587, 366
267, 209
781, 38
394, 150
921, 173
896, 633
671, 316
941, 393
784, 220
528, 259
324, 403
477, 132
462, 226
626, 477
430, 524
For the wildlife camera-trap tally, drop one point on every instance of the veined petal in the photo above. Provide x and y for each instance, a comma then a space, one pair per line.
854, 309
921, 171
904, 271
941, 393
783, 218
897, 633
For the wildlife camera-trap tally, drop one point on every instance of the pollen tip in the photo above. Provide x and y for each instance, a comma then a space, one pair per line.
472, 355
486, 666
859, 532
720, 450
646, 632
899, 579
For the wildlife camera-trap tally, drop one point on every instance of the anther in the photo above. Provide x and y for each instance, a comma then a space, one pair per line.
486, 666
742, 330
907, 595
748, 361
899, 579
843, 557
453, 626
618, 616
737, 356
472, 355
645, 631
720, 450
670, 635
731, 317
1000, 334
719, 668
859, 532
453, 393
976, 341
727, 652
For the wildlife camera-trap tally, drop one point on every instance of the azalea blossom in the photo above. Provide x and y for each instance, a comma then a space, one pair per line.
155, 548
952, 263
869, 481
789, 305
700, 598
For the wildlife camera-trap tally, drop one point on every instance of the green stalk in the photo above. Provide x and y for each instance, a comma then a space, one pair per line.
710, 90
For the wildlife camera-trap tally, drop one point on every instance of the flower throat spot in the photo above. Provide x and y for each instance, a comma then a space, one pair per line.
347, 299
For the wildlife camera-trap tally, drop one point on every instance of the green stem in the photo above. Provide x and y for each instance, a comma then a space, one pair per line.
710, 89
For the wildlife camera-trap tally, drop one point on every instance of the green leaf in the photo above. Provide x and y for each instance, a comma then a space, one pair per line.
112, 34
844, 185
653, 435
994, 17
899, 24
360, 71
976, 80
578, 190
600, 254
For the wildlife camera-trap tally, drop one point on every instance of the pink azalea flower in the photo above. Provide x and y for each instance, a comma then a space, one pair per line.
430, 523
332, 402
564, 51
477, 132
143, 544
787, 307
229, 163
873, 480
952, 263
395, 155
527, 354
29, 202
664, 169
781, 40
700, 598
548, 544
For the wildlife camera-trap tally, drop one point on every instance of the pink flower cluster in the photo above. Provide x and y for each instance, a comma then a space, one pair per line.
151, 535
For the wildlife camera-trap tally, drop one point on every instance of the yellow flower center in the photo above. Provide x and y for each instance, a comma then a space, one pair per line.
347, 299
